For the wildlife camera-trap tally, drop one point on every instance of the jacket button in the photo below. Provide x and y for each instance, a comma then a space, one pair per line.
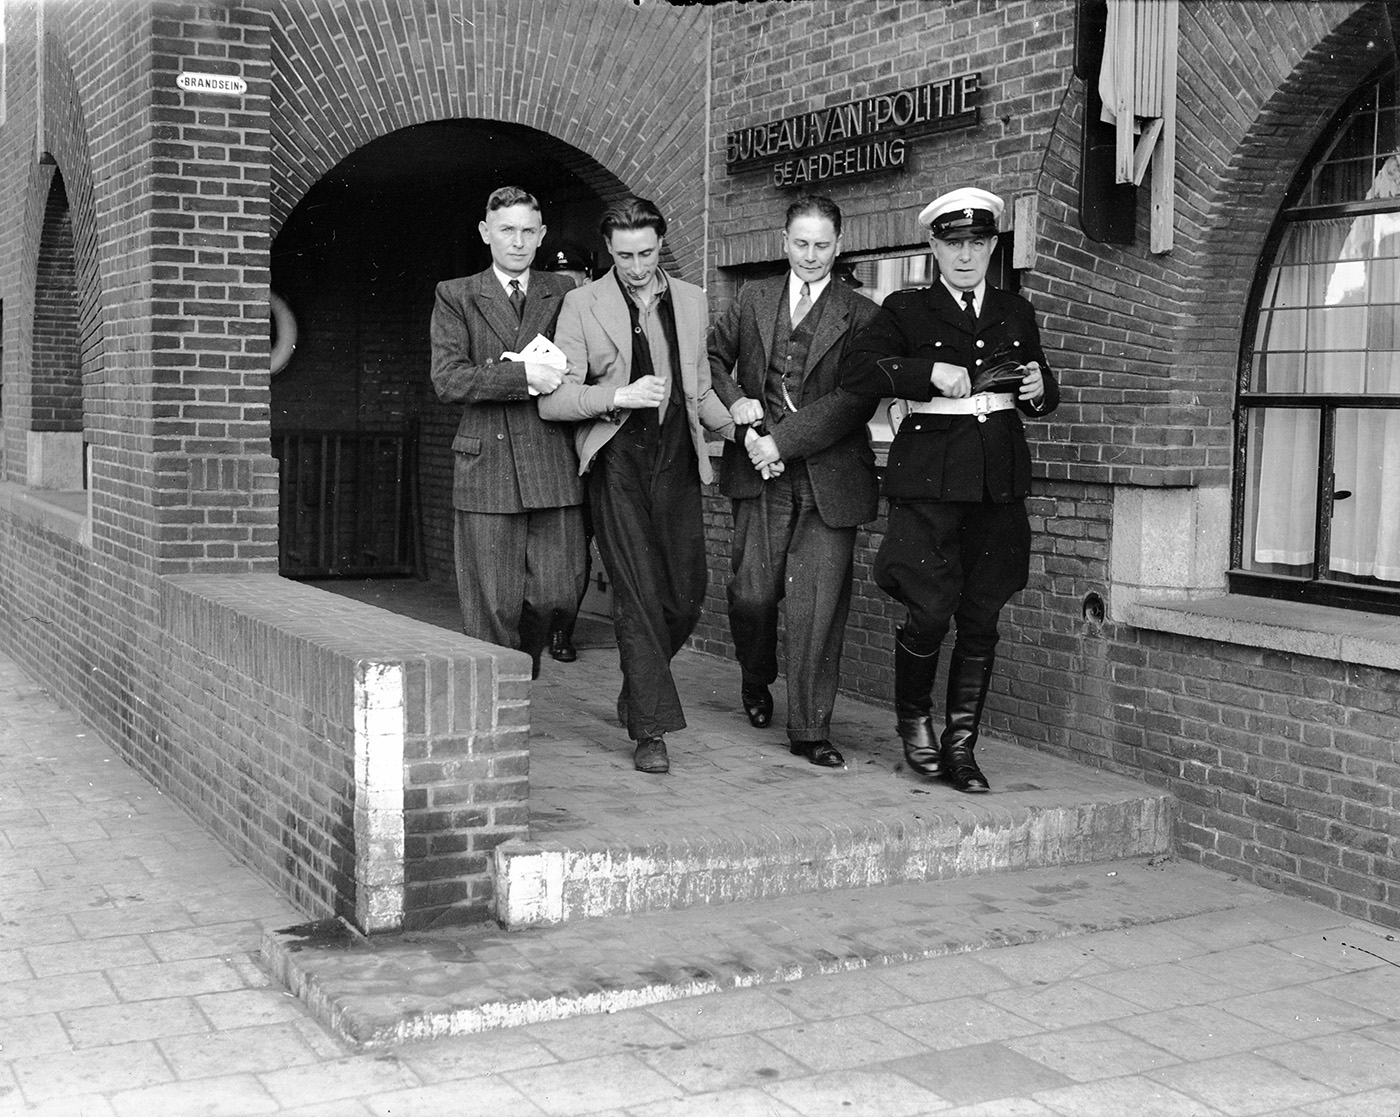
980, 343
499, 437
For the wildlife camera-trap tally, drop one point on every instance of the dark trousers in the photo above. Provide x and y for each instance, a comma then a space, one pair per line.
514, 570
954, 561
565, 619
782, 549
644, 492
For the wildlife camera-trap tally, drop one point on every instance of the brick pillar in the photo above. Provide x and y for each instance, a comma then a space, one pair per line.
214, 477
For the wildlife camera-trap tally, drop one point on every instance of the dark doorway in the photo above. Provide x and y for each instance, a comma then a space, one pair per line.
364, 444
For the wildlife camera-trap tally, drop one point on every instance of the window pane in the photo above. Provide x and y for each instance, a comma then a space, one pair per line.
1383, 372
1358, 165
1336, 372
1279, 372
1366, 524
1281, 490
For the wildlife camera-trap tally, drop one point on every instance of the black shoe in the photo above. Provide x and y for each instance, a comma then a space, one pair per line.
758, 704
561, 647
651, 756
821, 753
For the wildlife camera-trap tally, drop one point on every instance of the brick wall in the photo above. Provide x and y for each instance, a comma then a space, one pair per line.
173, 202
1286, 766
289, 712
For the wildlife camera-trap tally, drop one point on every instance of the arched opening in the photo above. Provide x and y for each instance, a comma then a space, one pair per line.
364, 444
55, 434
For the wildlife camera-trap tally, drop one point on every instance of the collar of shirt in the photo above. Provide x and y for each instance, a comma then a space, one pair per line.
523, 278
978, 293
646, 298
814, 290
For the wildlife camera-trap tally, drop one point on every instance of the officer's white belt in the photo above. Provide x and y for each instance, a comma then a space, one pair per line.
983, 403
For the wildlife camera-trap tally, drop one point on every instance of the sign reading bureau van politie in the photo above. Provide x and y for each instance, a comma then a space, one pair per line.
858, 138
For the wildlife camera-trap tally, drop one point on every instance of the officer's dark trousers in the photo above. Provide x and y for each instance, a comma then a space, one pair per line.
954, 561
782, 549
644, 492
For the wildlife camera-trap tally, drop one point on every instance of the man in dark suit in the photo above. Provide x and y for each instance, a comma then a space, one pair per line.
801, 474
638, 385
518, 532
963, 361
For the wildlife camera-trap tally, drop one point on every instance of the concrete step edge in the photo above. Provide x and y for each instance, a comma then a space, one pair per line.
546, 883
372, 1008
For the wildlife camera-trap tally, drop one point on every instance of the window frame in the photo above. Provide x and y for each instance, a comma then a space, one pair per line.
1323, 585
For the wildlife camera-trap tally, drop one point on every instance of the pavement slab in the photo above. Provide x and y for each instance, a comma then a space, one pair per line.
1302, 1016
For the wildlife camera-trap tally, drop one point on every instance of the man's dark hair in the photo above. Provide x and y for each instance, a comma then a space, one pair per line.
814, 205
631, 213
508, 196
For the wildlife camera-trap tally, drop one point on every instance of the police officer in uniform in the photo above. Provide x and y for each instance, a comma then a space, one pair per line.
963, 362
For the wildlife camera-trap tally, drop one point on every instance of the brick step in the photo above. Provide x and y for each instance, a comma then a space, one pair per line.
1046, 812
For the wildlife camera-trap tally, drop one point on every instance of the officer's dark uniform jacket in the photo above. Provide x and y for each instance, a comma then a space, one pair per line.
950, 457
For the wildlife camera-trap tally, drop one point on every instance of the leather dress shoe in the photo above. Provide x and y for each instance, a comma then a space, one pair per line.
651, 756
758, 704
561, 647
821, 753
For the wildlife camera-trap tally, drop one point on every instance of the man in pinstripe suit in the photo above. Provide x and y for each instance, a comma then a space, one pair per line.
518, 534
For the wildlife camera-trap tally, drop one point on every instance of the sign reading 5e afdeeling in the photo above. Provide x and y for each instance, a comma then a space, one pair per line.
857, 138
212, 83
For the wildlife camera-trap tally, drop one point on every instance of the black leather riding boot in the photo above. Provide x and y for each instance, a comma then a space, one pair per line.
914, 669
968, 677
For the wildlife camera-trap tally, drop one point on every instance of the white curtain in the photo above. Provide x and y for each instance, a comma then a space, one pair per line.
1329, 323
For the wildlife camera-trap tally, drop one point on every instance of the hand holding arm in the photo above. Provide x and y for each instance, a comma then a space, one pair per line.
746, 411
542, 379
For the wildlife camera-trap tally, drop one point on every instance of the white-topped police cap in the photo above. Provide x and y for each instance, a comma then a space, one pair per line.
964, 212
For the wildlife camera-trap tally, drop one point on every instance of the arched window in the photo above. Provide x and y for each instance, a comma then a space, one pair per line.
1317, 492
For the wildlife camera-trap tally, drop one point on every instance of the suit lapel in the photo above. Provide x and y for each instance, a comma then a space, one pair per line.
611, 312
830, 326
539, 306
770, 297
687, 331
493, 305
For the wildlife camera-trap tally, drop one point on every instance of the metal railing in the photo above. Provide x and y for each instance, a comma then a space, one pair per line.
348, 503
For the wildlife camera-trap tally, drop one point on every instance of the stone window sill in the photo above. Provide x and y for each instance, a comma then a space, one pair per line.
61, 512
1343, 635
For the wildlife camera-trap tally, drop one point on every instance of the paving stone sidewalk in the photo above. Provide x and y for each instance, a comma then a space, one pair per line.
131, 984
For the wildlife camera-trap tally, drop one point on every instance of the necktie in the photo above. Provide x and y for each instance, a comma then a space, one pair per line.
970, 305
517, 298
804, 304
